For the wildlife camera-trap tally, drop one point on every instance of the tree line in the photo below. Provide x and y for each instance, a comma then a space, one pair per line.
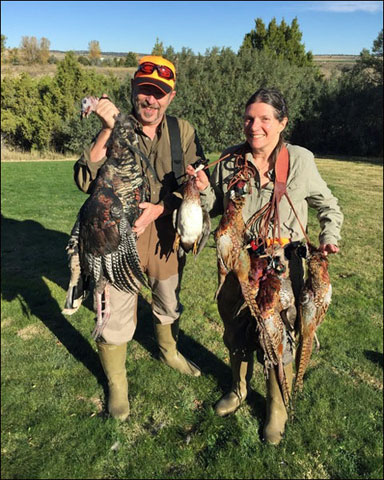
33, 51
341, 115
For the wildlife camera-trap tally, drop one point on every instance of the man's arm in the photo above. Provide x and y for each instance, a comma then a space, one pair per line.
107, 112
93, 157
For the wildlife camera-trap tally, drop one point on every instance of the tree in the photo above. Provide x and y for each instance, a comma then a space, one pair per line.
3, 48
3, 41
83, 60
34, 51
347, 116
370, 64
281, 41
158, 48
44, 50
13, 56
131, 60
29, 49
52, 59
94, 50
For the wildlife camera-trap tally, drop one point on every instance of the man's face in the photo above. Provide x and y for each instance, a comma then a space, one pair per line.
150, 103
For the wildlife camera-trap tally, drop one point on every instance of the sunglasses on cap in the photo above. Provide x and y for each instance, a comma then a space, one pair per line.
162, 70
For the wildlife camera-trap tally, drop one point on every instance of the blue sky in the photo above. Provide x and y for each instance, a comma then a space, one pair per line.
334, 27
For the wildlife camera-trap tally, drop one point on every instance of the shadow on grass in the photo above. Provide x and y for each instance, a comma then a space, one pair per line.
375, 357
207, 361
29, 254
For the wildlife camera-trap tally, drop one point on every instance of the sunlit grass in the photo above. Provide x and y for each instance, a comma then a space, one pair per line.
53, 389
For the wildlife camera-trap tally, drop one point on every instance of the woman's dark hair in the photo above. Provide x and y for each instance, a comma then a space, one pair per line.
272, 97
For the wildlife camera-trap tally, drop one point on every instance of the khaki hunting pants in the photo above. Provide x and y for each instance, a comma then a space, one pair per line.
164, 270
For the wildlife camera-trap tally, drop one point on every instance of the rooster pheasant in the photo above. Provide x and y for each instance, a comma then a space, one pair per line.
313, 305
229, 235
261, 284
102, 245
192, 223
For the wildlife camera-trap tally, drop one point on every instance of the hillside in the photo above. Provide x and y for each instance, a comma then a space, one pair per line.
334, 63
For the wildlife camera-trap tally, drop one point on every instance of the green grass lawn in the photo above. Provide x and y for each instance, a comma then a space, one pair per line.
53, 388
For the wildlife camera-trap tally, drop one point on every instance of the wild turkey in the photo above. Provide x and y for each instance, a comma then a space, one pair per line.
102, 245
191, 222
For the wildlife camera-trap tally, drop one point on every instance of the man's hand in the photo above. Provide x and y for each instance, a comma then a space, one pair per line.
151, 212
202, 181
107, 112
329, 248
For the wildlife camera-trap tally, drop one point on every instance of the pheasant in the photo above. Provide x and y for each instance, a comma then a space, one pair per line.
192, 223
273, 333
102, 245
260, 284
313, 305
229, 235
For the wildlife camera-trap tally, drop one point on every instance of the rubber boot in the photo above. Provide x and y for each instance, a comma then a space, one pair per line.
277, 415
241, 375
167, 337
112, 359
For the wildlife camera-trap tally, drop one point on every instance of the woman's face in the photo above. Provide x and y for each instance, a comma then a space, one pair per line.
261, 127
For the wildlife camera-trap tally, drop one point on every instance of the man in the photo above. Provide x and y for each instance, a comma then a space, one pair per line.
153, 89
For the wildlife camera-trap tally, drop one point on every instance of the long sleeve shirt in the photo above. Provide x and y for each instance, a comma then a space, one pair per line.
163, 187
305, 188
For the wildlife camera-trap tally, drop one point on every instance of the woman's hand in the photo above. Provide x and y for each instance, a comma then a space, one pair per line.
202, 181
328, 248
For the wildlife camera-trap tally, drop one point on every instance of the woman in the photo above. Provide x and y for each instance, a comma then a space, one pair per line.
265, 119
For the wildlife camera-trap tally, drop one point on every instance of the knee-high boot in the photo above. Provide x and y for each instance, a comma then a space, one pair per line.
167, 336
241, 375
277, 415
112, 359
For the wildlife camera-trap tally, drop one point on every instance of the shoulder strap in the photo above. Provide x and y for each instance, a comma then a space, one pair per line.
280, 189
176, 151
281, 172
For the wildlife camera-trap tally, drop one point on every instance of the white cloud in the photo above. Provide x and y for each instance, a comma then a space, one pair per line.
346, 6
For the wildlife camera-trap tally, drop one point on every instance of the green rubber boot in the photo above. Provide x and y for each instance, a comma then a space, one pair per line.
112, 359
277, 415
241, 375
167, 338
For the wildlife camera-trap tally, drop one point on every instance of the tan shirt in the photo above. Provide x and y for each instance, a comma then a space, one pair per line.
305, 187
158, 151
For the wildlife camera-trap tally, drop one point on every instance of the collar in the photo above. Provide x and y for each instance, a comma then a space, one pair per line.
271, 172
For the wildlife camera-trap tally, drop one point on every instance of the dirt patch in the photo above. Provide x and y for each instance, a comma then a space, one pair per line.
31, 331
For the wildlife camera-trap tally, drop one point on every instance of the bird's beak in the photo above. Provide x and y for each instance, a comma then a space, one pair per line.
85, 113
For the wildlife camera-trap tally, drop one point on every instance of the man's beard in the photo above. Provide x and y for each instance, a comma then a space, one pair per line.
140, 110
